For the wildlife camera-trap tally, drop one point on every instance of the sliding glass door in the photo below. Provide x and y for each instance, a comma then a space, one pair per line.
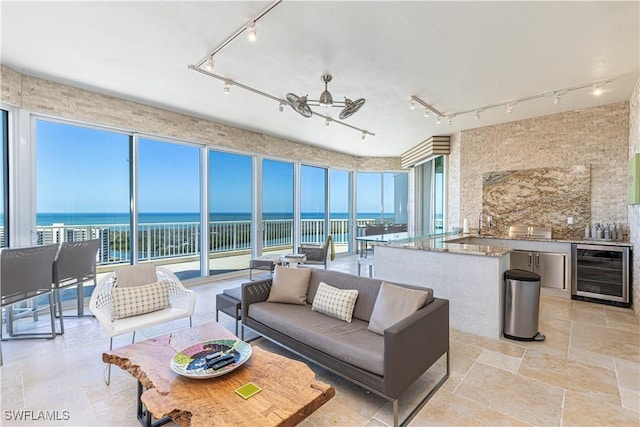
313, 201
82, 188
230, 211
169, 206
4, 182
277, 206
340, 208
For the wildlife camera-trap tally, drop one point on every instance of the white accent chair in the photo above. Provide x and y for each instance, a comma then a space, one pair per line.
182, 304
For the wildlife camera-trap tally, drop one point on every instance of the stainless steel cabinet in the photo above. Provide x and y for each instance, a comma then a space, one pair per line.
549, 265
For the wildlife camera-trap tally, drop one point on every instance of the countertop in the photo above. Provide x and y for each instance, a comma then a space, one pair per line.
449, 242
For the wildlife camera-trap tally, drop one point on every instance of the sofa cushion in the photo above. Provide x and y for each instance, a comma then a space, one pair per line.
135, 300
136, 275
235, 293
290, 285
335, 302
348, 342
393, 304
367, 289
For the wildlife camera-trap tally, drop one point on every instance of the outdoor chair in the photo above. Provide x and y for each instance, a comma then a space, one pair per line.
74, 266
25, 274
135, 297
317, 254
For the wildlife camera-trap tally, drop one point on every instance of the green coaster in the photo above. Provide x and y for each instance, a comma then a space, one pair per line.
248, 390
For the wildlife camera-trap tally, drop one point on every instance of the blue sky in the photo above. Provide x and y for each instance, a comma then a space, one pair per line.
87, 170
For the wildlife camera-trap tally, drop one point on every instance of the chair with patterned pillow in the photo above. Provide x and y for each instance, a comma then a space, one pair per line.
139, 296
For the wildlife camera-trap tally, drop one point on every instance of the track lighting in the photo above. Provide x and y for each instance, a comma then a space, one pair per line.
281, 107
327, 122
449, 120
596, 89
252, 36
210, 63
364, 135
227, 88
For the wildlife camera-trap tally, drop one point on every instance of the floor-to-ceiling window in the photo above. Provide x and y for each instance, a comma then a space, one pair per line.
4, 181
313, 204
82, 187
430, 197
340, 208
277, 206
382, 198
230, 211
169, 206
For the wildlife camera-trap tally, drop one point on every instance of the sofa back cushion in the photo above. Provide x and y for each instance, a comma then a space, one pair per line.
289, 285
367, 289
395, 303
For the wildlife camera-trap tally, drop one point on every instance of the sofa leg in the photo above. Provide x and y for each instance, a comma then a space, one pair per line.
395, 413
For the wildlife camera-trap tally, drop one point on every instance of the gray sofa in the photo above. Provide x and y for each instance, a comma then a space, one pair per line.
386, 365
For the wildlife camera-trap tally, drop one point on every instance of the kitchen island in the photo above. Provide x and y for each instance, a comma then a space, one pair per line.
470, 276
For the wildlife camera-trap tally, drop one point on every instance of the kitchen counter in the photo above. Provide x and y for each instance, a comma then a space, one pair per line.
447, 243
453, 238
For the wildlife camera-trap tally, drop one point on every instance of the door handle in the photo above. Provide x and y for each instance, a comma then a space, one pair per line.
530, 259
537, 260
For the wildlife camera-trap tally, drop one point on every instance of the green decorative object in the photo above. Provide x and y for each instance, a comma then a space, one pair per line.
633, 180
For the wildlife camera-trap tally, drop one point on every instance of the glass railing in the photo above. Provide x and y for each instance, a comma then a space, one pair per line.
160, 241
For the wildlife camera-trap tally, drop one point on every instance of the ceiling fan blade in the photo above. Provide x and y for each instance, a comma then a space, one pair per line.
351, 107
299, 104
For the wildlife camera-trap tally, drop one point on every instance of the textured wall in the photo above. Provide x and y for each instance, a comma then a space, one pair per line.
47, 97
454, 218
634, 210
538, 197
595, 137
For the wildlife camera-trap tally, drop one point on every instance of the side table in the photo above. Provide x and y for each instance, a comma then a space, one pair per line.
295, 259
229, 303
265, 262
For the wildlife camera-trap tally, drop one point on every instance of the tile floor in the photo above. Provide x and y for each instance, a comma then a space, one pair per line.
586, 373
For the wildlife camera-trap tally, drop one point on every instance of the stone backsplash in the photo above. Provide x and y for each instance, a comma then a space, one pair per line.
543, 197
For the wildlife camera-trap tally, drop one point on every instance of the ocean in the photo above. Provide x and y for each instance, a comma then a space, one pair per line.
87, 218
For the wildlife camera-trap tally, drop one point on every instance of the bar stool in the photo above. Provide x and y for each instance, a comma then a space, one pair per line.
368, 262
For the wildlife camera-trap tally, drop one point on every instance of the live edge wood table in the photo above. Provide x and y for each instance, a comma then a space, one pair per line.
290, 391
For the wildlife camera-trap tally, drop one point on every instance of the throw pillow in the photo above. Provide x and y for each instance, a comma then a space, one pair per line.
136, 275
335, 302
393, 304
290, 285
135, 300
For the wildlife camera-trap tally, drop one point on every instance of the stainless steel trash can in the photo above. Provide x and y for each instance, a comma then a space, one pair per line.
522, 305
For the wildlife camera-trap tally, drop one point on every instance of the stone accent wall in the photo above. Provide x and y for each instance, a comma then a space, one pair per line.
595, 137
55, 99
634, 210
454, 219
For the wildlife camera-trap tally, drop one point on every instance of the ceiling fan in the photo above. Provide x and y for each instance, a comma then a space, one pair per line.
302, 105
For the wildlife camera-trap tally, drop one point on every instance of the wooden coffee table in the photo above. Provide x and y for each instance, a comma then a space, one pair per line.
290, 391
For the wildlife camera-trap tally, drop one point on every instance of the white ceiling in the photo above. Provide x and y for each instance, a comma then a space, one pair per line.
453, 55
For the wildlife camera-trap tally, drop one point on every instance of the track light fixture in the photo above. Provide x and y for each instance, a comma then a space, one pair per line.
227, 87
327, 122
281, 107
596, 89
449, 120
210, 63
364, 135
252, 34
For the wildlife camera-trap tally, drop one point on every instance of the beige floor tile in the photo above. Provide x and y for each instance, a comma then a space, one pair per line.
449, 409
628, 374
463, 356
510, 348
630, 399
591, 358
336, 413
557, 337
599, 383
612, 342
500, 360
588, 314
580, 410
513, 395
624, 319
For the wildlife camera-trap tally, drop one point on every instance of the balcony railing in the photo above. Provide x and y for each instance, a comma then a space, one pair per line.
171, 240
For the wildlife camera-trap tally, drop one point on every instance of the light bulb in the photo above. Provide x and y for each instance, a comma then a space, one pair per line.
597, 90
412, 105
426, 112
253, 32
509, 108
556, 98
